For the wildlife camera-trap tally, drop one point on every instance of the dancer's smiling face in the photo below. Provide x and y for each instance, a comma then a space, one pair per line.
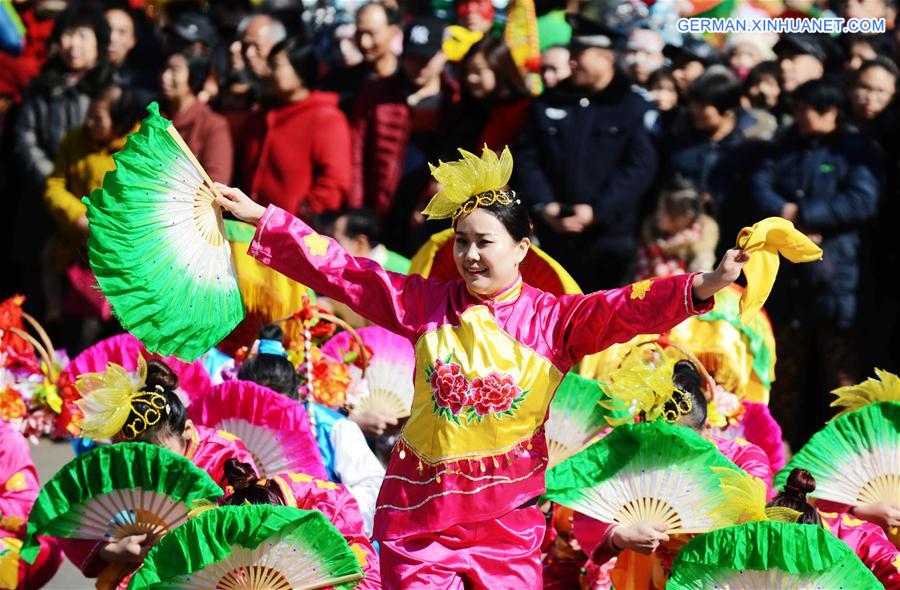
487, 255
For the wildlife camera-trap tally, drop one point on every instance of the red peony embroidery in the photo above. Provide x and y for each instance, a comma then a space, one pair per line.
493, 394
449, 386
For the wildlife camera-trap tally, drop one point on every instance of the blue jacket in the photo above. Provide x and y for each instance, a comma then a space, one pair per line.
835, 181
588, 148
325, 419
720, 168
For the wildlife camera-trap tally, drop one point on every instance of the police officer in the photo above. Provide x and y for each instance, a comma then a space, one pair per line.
585, 159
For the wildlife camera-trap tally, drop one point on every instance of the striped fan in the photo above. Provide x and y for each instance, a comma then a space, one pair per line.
116, 491
389, 376
251, 547
576, 417
123, 349
158, 247
647, 473
767, 556
275, 429
855, 459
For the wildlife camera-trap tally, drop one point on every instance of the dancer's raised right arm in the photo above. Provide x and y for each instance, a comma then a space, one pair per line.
394, 301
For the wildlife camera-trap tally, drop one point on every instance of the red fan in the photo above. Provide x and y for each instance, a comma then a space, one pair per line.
435, 260
275, 428
123, 350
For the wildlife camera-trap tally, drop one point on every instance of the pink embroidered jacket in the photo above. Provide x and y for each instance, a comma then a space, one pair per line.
869, 543
486, 369
19, 479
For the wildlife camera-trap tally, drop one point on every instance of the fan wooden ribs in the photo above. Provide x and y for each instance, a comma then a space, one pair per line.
209, 221
122, 513
273, 565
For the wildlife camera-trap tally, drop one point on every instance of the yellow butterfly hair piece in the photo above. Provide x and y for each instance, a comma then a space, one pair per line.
884, 387
470, 182
783, 514
643, 384
107, 399
746, 494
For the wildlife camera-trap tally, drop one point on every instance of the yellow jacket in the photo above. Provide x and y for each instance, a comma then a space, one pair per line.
80, 167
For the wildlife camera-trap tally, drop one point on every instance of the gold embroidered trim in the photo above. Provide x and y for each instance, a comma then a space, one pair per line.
491, 453
461, 492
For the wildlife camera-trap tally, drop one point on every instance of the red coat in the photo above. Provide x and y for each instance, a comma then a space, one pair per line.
207, 134
297, 156
382, 124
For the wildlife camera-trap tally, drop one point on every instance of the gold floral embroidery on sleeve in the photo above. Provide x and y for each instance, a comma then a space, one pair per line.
639, 290
16, 482
300, 477
317, 244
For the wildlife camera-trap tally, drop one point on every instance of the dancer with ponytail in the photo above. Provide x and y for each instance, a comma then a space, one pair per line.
867, 540
458, 504
156, 416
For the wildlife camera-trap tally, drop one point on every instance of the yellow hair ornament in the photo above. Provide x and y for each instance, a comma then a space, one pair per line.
783, 514
746, 494
108, 398
470, 182
764, 242
645, 385
884, 387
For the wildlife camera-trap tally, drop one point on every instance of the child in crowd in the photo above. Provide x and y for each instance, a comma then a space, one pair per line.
679, 237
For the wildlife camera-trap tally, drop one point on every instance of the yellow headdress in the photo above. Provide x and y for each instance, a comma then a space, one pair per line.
747, 498
108, 399
643, 384
885, 387
469, 183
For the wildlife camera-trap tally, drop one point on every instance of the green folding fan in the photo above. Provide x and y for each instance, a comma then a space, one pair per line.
647, 473
158, 246
251, 547
116, 491
767, 556
576, 417
855, 459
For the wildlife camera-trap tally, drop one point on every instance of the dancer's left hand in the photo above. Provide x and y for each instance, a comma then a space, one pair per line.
729, 269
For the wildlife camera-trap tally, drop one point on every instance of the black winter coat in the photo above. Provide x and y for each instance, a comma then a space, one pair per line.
835, 181
589, 148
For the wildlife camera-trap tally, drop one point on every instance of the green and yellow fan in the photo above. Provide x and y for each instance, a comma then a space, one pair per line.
576, 417
855, 458
158, 246
768, 556
652, 472
256, 547
116, 491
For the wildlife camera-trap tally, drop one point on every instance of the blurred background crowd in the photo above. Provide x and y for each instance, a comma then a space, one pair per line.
640, 151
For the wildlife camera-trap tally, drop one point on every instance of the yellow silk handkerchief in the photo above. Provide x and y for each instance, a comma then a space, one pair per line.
764, 242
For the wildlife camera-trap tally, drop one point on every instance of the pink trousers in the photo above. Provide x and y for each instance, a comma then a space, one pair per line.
495, 554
